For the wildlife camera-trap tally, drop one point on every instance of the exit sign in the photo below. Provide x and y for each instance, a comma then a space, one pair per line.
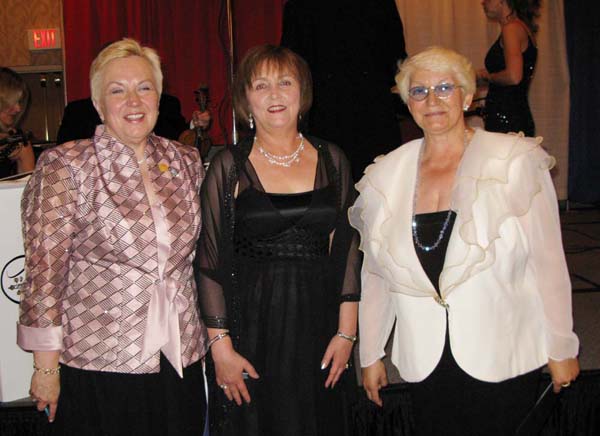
44, 39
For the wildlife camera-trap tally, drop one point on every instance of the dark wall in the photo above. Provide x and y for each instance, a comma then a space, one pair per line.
583, 51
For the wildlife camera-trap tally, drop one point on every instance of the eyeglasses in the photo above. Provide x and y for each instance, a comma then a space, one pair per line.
443, 90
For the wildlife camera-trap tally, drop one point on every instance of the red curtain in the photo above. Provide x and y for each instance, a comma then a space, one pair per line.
190, 36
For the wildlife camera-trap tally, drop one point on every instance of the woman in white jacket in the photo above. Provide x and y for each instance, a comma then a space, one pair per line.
462, 251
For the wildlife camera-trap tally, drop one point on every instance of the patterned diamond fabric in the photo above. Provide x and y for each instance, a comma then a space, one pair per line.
92, 255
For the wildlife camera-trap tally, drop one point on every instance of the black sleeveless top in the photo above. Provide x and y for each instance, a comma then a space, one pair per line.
429, 226
506, 106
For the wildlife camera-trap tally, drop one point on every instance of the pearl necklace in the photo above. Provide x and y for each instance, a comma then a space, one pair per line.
440, 237
282, 160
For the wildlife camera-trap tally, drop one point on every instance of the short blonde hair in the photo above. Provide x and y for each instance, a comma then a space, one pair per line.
438, 60
123, 49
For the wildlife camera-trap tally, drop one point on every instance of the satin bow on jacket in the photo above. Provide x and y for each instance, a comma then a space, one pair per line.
109, 278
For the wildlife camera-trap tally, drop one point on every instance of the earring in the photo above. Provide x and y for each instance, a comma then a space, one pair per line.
251, 122
465, 108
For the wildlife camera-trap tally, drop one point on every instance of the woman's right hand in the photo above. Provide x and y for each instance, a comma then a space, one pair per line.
374, 378
229, 368
44, 391
45, 388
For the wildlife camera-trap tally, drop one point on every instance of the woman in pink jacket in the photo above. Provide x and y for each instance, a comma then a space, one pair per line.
109, 306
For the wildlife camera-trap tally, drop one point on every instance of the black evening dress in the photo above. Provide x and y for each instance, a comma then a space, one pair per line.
282, 301
449, 401
507, 107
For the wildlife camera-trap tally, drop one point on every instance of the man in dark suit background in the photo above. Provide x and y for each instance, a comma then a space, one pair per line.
352, 48
80, 119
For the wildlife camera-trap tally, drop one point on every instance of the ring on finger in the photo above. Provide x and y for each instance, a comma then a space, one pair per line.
566, 385
223, 386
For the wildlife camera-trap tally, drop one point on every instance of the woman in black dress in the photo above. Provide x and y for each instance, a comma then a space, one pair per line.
509, 66
278, 263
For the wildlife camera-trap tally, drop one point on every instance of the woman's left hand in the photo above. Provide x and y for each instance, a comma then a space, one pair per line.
337, 354
563, 372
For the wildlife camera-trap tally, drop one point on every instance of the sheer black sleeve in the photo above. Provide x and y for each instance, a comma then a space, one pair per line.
345, 255
213, 255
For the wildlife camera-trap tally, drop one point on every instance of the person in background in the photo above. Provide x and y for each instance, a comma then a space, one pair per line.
509, 66
278, 263
14, 97
352, 49
109, 304
463, 253
80, 119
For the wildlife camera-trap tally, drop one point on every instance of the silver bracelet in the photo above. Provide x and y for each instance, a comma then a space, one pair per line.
347, 337
217, 338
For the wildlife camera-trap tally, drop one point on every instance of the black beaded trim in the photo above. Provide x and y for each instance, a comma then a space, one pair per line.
215, 322
349, 297
295, 243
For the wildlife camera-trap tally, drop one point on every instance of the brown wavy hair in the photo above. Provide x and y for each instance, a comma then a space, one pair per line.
274, 58
527, 11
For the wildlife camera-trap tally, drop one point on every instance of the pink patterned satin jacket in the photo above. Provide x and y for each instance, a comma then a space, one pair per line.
109, 278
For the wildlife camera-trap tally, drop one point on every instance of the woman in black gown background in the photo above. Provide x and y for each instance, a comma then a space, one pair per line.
278, 263
509, 66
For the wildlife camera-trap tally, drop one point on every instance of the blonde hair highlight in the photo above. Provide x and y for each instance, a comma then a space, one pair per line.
124, 48
439, 60
13, 90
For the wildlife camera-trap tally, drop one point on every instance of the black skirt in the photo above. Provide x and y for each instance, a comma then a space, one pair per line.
449, 401
113, 404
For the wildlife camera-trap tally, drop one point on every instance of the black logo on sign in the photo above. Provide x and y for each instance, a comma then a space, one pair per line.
13, 276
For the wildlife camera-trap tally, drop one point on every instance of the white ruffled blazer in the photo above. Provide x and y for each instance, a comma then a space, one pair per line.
505, 286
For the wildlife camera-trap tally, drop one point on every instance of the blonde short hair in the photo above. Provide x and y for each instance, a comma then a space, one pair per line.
438, 60
123, 49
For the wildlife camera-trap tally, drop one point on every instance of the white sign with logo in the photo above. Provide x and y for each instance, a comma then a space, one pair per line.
15, 364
